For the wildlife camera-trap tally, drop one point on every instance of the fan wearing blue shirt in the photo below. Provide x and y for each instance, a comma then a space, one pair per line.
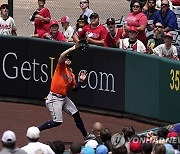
166, 16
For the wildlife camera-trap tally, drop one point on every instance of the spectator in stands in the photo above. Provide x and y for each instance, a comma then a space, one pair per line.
91, 143
113, 35
159, 149
54, 33
97, 127
137, 19
87, 150
81, 22
169, 51
158, 4
120, 150
157, 37
59, 147
147, 148
94, 33
75, 148
166, 16
132, 43
42, 20
67, 30
33, 135
143, 2
150, 13
135, 147
7, 23
101, 149
9, 144
84, 4
128, 132
176, 2
105, 134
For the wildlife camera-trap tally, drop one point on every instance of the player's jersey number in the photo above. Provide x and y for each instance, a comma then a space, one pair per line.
175, 80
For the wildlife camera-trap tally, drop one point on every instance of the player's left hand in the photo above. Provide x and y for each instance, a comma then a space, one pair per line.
82, 75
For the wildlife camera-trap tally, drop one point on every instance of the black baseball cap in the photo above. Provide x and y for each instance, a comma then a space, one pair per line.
95, 15
83, 18
110, 20
4, 6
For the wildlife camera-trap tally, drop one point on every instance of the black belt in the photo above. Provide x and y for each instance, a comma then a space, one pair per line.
57, 95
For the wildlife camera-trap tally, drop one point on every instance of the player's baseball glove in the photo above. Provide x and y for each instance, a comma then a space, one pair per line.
83, 45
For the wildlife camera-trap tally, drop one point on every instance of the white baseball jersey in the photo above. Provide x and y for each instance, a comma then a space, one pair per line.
68, 33
161, 51
7, 26
138, 46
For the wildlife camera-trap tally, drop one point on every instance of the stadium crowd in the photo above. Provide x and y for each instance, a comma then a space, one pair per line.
148, 27
165, 140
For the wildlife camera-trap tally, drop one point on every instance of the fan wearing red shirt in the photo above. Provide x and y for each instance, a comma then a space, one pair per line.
54, 33
42, 20
113, 35
95, 33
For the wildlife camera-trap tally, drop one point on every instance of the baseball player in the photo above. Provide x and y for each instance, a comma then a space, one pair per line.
57, 100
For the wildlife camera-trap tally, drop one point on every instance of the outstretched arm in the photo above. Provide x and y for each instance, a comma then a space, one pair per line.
63, 55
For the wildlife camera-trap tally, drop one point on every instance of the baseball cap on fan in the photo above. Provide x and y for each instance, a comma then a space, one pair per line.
110, 21
4, 6
132, 28
95, 15
54, 22
8, 137
33, 132
65, 19
168, 34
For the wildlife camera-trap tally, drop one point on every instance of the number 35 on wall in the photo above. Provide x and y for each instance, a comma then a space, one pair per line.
175, 80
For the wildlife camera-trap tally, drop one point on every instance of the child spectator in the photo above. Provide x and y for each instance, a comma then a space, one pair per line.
132, 43
67, 30
169, 51
7, 23
54, 33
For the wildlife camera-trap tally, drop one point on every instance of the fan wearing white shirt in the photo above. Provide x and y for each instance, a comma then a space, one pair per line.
67, 29
7, 23
167, 49
34, 146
